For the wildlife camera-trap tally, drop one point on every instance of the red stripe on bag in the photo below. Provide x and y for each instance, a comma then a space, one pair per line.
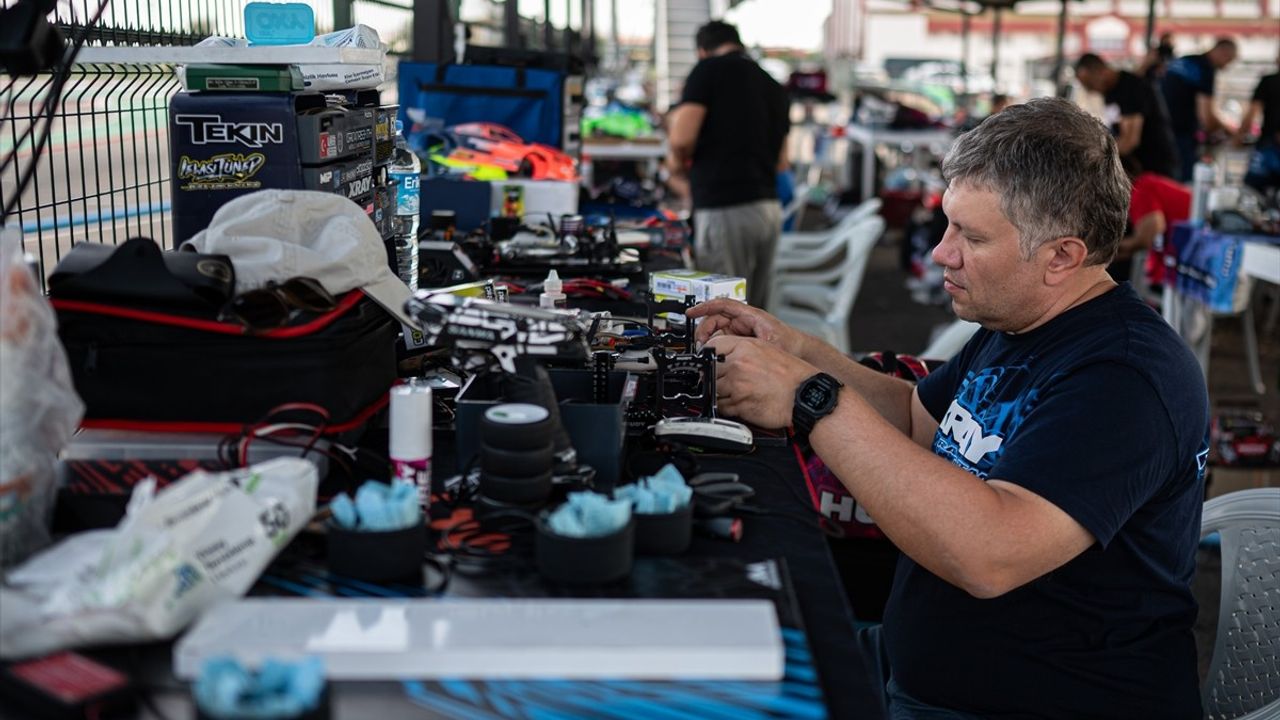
175, 426
347, 302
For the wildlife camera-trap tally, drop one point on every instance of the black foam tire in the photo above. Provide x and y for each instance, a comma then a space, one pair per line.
515, 436
515, 463
517, 491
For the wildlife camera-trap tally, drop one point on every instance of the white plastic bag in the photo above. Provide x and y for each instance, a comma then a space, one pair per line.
39, 408
200, 541
326, 76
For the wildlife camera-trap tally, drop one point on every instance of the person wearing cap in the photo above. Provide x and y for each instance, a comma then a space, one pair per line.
727, 135
1134, 112
1188, 88
1045, 485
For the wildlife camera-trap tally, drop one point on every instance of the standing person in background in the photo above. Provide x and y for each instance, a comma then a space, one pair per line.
1157, 61
728, 135
1133, 112
1188, 93
1264, 164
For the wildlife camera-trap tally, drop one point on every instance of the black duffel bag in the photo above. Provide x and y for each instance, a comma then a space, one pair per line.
145, 361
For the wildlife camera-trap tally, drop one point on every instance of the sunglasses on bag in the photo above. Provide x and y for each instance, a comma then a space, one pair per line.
276, 304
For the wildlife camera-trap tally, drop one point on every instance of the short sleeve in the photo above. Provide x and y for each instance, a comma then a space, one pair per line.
1131, 100
1098, 445
1142, 202
1207, 77
699, 85
937, 389
1268, 89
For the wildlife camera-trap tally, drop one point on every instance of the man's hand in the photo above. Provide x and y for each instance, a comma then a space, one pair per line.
757, 381
723, 316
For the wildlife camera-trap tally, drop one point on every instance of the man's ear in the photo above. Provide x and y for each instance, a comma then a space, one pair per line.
1068, 255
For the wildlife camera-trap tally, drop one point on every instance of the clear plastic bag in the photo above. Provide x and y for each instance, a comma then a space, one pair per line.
39, 408
200, 541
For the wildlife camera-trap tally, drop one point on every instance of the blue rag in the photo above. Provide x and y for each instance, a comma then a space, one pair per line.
589, 514
226, 689
659, 494
378, 507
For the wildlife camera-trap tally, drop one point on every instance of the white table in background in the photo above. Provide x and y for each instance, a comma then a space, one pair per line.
869, 138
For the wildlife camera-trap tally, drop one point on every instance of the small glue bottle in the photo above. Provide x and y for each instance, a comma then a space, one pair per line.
410, 450
552, 292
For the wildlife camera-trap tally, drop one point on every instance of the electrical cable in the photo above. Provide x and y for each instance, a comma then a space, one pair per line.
51, 103
816, 519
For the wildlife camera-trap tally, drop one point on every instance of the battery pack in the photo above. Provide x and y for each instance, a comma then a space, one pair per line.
65, 685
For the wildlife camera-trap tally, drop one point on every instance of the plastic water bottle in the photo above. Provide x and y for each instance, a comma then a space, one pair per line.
405, 174
1202, 177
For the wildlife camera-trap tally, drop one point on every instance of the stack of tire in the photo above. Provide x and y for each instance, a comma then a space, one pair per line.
516, 454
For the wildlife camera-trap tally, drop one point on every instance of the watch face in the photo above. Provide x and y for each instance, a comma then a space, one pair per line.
814, 395
817, 394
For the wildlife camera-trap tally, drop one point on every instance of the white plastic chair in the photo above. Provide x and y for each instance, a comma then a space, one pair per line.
1244, 675
950, 340
795, 208
792, 244
818, 295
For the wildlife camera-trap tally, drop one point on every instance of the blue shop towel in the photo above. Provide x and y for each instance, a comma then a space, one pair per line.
378, 507
226, 689
589, 514
659, 494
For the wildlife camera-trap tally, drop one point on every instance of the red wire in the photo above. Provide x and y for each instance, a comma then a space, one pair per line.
317, 430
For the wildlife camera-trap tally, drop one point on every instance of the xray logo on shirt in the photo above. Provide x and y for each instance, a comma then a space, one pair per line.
974, 429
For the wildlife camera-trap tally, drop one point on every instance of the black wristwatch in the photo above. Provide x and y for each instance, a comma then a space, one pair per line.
816, 398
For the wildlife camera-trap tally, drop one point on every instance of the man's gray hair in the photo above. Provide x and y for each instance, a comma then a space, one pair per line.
1056, 170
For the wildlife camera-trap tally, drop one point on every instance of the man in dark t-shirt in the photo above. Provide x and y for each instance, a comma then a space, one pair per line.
728, 134
1134, 112
1188, 93
1264, 164
1044, 486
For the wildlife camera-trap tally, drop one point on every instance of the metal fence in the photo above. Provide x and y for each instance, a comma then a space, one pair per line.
105, 174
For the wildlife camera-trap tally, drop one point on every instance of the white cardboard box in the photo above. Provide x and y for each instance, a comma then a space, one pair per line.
539, 197
703, 286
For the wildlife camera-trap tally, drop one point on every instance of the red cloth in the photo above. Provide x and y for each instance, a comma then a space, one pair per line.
1157, 193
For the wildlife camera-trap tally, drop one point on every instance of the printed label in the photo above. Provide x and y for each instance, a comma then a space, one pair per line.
206, 129
407, 192
231, 83
417, 472
227, 171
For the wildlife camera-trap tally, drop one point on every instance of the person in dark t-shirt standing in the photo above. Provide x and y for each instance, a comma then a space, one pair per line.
1188, 93
1044, 486
728, 134
1264, 164
1134, 112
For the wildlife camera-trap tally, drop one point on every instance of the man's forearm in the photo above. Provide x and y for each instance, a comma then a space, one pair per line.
890, 396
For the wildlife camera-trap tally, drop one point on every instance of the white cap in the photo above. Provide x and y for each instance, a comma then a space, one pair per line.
274, 235
552, 284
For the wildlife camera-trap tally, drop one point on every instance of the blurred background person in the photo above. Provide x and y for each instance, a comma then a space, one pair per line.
1134, 113
1264, 165
728, 134
1188, 93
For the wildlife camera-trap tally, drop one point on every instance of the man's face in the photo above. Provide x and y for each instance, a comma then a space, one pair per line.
1089, 80
983, 270
1222, 56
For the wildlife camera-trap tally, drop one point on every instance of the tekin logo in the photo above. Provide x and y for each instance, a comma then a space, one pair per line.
206, 129
967, 432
